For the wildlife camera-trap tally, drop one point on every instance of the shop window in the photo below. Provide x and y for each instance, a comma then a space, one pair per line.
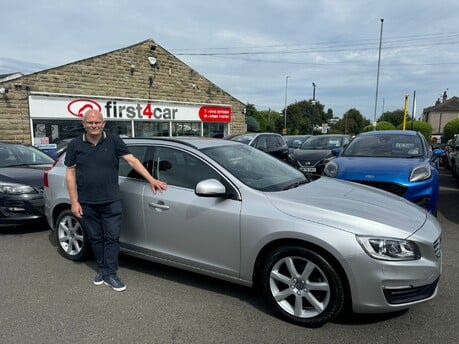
151, 129
186, 129
216, 130
120, 128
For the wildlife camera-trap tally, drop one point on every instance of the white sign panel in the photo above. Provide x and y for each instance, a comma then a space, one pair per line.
66, 107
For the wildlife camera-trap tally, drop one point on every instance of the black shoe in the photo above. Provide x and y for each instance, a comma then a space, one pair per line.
114, 282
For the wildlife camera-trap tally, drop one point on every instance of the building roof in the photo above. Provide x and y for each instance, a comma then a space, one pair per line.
450, 105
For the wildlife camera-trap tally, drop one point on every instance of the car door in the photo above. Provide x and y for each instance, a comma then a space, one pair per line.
132, 187
203, 232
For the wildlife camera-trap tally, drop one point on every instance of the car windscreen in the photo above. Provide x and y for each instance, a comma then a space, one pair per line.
387, 145
22, 155
254, 168
322, 143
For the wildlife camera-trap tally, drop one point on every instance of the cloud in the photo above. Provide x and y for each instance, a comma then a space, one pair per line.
254, 45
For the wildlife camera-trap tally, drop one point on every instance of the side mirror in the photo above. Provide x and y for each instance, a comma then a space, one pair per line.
336, 151
210, 188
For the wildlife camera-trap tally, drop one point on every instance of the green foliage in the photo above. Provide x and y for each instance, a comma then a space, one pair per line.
424, 127
384, 125
352, 123
394, 117
252, 124
367, 128
451, 128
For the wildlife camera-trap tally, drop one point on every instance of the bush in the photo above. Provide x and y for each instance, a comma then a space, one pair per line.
424, 127
451, 128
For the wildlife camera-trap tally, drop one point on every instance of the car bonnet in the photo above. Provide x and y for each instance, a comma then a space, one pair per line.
352, 207
363, 168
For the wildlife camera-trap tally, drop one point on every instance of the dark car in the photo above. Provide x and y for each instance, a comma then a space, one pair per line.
398, 161
312, 156
295, 141
271, 143
21, 184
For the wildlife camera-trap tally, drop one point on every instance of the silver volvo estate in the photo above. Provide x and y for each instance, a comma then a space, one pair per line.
236, 213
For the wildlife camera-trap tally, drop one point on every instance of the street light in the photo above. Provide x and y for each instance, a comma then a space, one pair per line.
285, 111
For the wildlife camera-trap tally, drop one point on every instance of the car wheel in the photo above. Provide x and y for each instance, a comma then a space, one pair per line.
301, 286
72, 242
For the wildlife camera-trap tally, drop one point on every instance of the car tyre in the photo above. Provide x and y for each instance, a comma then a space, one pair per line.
302, 286
72, 241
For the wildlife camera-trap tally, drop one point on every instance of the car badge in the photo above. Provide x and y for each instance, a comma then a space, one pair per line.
370, 176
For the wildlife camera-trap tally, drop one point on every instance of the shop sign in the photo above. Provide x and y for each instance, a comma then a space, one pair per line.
68, 107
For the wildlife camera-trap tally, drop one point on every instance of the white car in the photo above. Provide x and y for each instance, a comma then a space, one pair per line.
238, 214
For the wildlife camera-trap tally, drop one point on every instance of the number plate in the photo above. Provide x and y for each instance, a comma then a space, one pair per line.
308, 169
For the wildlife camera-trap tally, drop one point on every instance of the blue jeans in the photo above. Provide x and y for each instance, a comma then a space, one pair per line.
102, 223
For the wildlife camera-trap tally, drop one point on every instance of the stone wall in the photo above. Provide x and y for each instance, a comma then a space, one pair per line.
124, 73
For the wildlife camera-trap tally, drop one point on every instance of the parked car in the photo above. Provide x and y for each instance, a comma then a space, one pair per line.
238, 214
314, 153
398, 161
294, 141
271, 143
21, 184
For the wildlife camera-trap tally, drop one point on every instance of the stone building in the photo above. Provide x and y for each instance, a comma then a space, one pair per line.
142, 90
441, 113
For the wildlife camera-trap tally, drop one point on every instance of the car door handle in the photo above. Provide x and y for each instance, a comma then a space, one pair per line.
158, 206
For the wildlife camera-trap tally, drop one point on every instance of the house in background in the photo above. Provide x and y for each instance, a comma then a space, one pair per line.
441, 113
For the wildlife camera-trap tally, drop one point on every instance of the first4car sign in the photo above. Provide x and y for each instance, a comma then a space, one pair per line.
43, 106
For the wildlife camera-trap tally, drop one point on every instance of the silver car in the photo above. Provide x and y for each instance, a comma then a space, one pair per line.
238, 214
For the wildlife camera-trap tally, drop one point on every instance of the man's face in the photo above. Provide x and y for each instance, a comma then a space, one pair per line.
93, 123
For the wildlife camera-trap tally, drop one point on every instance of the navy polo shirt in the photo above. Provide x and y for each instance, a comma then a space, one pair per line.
96, 167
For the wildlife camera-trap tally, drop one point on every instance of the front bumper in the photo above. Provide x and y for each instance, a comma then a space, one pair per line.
21, 210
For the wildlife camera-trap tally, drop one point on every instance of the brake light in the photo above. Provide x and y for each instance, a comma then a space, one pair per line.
45, 179
45, 175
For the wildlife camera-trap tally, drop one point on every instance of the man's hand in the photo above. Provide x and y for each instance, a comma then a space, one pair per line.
158, 185
77, 210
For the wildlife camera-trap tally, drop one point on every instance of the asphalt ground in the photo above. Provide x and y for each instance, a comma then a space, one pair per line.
45, 298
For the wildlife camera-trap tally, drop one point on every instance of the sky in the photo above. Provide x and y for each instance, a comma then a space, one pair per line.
263, 52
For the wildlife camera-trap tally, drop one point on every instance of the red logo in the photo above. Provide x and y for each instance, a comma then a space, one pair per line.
78, 107
215, 114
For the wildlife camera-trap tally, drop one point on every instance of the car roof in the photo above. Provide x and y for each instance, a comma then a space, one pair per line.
197, 142
390, 132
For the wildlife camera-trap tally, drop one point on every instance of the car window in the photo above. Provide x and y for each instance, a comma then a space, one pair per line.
125, 170
179, 168
396, 146
17, 154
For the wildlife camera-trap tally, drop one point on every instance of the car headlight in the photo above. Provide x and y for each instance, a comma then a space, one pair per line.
16, 189
421, 172
331, 169
389, 248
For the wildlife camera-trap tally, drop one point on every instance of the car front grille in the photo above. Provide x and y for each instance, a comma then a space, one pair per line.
405, 295
391, 187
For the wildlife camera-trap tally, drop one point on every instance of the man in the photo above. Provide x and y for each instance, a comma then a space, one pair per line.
92, 162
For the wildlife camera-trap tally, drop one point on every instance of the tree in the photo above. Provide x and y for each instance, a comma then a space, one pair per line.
352, 122
394, 117
451, 128
252, 124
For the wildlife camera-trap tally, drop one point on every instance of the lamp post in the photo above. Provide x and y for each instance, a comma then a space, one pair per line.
377, 75
285, 110
313, 106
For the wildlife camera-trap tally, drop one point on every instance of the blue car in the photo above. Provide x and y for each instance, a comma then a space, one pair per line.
398, 161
